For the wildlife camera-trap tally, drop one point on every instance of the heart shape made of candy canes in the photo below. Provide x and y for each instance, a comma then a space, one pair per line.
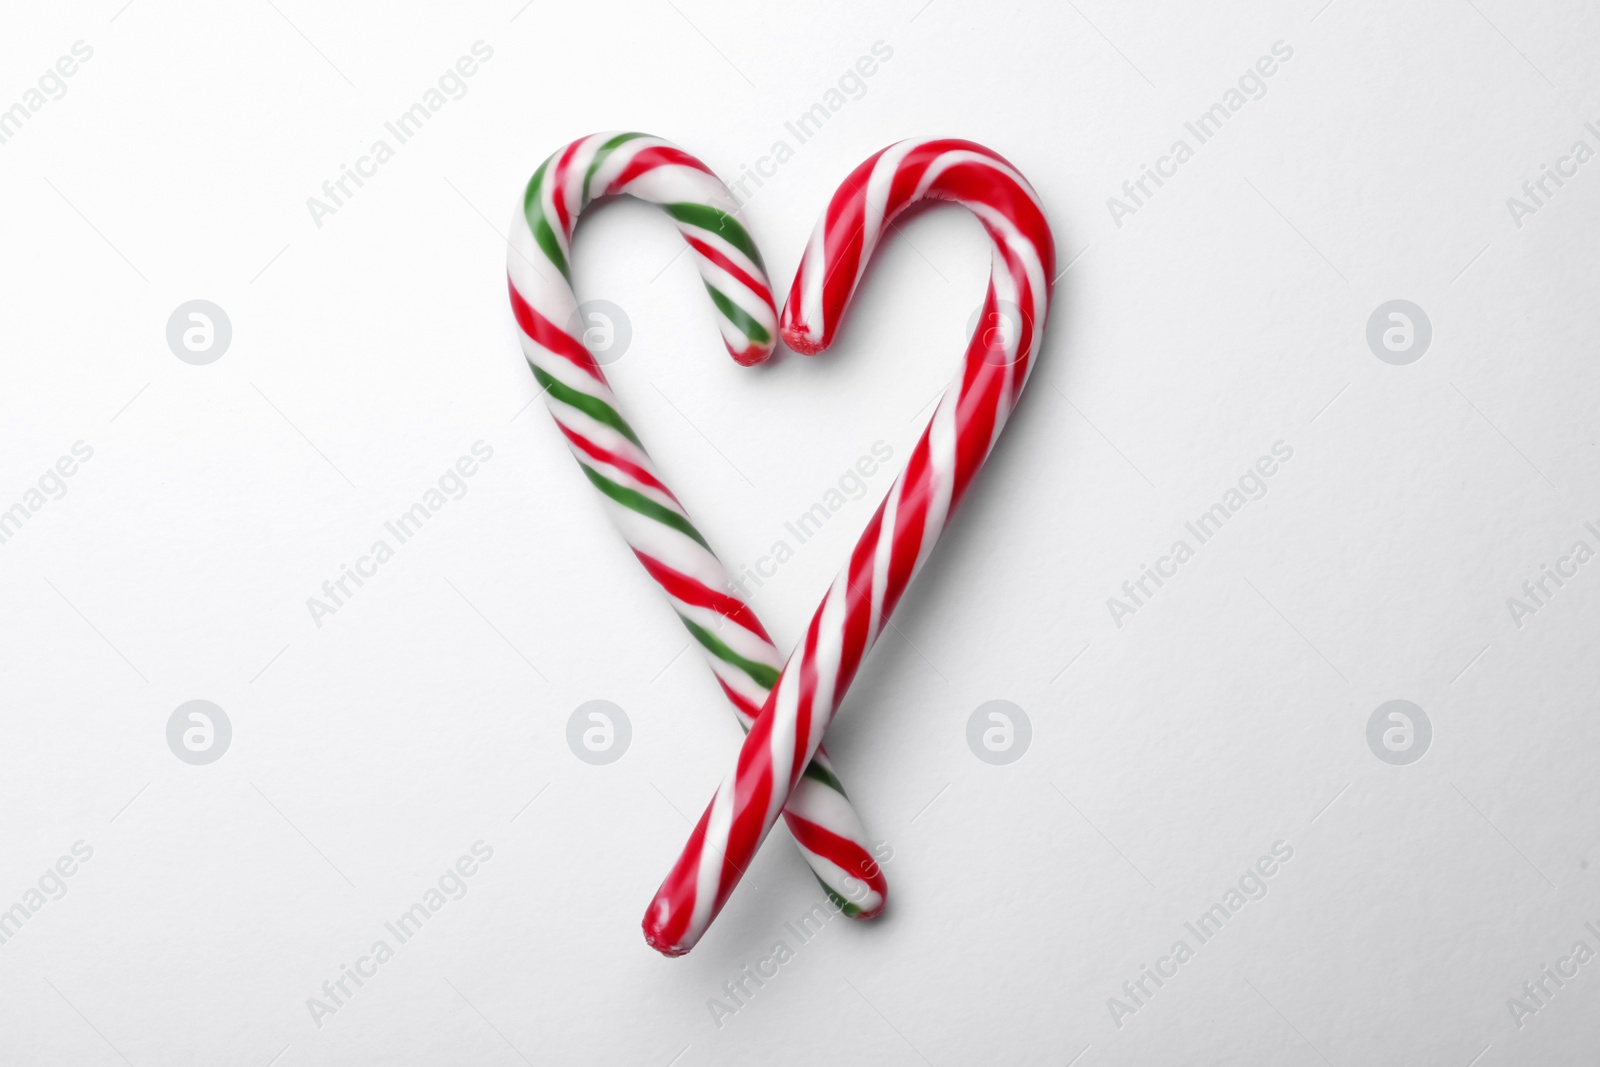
775, 763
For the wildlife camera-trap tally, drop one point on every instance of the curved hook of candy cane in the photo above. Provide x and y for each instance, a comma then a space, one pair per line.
900, 536
657, 172
741, 654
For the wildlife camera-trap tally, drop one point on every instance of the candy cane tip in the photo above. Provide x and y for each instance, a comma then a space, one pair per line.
751, 354
799, 338
654, 937
797, 333
866, 915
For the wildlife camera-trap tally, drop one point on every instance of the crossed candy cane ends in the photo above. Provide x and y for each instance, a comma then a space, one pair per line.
652, 520
900, 536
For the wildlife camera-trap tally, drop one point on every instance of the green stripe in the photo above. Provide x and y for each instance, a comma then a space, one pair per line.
542, 233
818, 773
739, 317
600, 157
760, 673
530, 196
637, 501
719, 222
850, 910
592, 406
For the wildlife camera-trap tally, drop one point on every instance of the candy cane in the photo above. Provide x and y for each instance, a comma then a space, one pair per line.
902, 533
654, 523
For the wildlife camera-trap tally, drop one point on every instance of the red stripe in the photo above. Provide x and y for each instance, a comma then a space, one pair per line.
845, 251
907, 178
558, 188
548, 335
858, 617
747, 709
605, 455
806, 705
977, 411
649, 159
844, 853
754, 783
910, 520
696, 593
744, 277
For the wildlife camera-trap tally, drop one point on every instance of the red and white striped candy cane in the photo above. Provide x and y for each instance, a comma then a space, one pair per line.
898, 540
655, 524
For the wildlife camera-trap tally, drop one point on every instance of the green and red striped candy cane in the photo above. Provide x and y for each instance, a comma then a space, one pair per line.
653, 521
900, 536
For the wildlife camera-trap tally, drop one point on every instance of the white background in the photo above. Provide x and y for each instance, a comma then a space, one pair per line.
1229, 713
